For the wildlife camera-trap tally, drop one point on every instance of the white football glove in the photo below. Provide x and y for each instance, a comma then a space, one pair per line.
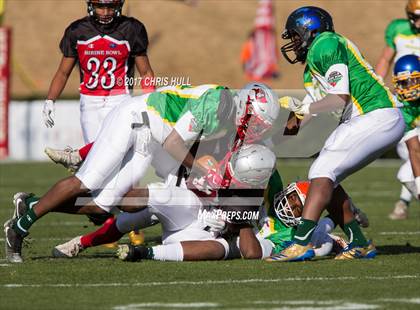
294, 105
48, 113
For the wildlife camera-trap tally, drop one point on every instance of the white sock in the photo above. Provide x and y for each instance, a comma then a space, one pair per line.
405, 194
169, 252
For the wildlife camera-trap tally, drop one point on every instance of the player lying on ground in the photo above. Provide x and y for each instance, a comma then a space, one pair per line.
406, 79
128, 139
174, 216
178, 207
273, 233
337, 76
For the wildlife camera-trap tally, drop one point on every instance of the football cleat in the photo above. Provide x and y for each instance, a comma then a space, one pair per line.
68, 249
338, 243
353, 252
125, 252
20, 205
400, 211
13, 243
131, 253
293, 253
360, 217
136, 237
68, 157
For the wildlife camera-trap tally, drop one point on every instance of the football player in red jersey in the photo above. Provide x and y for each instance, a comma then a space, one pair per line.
106, 45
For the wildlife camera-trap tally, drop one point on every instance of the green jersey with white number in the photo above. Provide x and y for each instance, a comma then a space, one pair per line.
400, 36
335, 66
272, 228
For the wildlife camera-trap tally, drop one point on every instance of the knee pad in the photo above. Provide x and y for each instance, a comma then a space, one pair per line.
159, 194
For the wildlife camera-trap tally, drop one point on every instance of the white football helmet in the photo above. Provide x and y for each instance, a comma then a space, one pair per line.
251, 165
257, 109
282, 206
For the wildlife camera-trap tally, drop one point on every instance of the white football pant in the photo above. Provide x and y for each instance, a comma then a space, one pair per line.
357, 142
177, 209
93, 110
121, 154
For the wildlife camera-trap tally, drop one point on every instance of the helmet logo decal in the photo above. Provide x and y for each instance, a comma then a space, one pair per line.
304, 22
260, 95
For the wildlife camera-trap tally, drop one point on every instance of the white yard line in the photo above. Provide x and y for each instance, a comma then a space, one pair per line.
386, 233
402, 300
338, 304
167, 305
211, 282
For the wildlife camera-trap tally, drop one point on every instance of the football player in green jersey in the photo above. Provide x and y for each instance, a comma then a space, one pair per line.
164, 121
402, 37
337, 76
406, 81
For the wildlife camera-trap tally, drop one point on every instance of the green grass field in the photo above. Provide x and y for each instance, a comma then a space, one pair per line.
97, 280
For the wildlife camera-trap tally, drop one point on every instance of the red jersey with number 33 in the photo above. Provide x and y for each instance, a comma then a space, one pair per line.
105, 53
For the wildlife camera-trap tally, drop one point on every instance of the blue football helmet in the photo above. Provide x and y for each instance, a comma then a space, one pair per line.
406, 77
302, 26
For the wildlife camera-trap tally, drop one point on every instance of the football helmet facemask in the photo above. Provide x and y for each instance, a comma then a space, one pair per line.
413, 13
257, 109
116, 5
287, 211
406, 77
